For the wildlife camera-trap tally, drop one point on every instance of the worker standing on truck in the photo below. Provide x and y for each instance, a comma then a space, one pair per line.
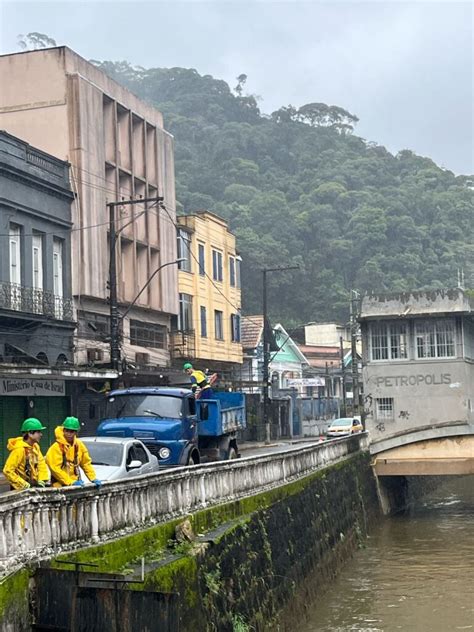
25, 466
67, 455
200, 383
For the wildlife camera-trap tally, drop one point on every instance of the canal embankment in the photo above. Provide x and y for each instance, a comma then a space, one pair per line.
239, 564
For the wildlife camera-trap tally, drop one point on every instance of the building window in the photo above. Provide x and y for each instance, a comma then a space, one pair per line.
184, 250
232, 271
203, 322
37, 257
235, 327
238, 270
435, 339
384, 409
185, 316
93, 326
388, 341
58, 284
15, 255
58, 288
202, 260
218, 325
147, 334
217, 265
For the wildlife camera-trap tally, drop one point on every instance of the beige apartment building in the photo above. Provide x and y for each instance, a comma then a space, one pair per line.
207, 330
118, 149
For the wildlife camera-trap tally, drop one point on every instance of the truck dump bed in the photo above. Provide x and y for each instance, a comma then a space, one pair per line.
222, 415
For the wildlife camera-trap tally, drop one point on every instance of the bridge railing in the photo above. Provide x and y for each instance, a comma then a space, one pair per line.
40, 523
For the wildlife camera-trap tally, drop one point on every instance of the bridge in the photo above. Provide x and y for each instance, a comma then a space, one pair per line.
431, 452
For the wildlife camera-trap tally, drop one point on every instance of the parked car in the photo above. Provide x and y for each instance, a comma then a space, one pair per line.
114, 458
344, 426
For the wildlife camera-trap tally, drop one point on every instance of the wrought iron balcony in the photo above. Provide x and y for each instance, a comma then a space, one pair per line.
16, 297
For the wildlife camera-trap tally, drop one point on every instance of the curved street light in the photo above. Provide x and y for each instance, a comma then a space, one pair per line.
114, 337
170, 263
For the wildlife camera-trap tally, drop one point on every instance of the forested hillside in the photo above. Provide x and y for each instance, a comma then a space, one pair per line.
299, 187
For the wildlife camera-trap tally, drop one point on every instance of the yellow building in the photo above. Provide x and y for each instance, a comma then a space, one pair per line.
208, 325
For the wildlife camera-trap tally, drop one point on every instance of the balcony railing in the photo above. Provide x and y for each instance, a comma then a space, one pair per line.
34, 301
182, 345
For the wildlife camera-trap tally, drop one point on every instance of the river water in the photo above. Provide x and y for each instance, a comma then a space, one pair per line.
415, 574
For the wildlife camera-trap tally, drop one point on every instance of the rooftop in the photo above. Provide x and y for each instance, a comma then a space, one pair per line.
416, 303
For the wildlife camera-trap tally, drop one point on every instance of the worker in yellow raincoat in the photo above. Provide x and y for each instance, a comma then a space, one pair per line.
25, 466
68, 455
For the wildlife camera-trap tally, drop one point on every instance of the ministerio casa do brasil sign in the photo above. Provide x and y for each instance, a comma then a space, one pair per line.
30, 386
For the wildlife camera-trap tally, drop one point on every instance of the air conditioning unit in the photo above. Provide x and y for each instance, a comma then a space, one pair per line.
95, 355
142, 358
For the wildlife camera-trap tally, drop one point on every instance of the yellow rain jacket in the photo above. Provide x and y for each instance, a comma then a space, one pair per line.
199, 379
64, 460
25, 465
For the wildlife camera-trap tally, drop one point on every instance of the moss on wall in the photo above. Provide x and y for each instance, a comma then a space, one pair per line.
14, 602
272, 549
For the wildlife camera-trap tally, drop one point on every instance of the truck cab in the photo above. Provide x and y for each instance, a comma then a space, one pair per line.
174, 426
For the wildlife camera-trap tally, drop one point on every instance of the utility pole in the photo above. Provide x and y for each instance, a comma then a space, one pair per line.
328, 393
343, 377
266, 347
355, 369
266, 359
114, 313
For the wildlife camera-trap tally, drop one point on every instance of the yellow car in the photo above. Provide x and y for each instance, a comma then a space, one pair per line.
344, 427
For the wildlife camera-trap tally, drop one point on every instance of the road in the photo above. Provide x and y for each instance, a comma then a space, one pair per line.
251, 449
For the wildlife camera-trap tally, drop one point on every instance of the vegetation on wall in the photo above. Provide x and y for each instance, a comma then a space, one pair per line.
298, 187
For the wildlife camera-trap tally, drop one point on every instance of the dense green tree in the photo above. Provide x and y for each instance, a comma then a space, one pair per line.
299, 188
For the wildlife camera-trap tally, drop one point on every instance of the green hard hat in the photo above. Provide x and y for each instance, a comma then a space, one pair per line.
31, 425
188, 365
71, 423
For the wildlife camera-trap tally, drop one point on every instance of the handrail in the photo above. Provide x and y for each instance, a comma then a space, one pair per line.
39, 523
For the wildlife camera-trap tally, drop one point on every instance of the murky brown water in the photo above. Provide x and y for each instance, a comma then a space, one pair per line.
416, 574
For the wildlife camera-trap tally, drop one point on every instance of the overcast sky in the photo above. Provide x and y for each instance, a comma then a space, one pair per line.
404, 68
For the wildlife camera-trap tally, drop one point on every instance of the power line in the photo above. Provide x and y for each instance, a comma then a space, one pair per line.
193, 256
71, 230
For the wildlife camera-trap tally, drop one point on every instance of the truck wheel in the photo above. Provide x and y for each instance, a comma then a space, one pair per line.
192, 460
232, 454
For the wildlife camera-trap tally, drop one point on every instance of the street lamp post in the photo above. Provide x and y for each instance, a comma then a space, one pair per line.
354, 359
266, 346
114, 313
169, 263
343, 377
114, 332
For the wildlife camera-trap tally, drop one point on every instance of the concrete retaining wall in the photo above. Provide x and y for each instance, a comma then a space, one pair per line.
39, 523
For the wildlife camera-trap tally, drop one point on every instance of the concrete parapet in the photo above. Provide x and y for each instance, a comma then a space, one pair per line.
39, 523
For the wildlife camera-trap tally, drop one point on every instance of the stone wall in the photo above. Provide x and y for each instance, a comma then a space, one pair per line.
259, 558
260, 561
40, 523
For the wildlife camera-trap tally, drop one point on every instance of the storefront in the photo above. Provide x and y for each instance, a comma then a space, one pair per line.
50, 398
22, 397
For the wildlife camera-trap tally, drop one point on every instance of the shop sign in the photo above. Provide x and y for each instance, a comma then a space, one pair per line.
32, 387
306, 381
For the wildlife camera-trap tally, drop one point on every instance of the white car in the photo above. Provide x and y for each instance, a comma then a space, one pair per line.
344, 427
115, 458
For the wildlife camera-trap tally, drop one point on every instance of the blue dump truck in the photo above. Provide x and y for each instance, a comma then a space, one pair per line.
176, 427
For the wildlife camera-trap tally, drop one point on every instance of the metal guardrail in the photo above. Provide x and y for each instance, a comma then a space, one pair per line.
40, 523
19, 298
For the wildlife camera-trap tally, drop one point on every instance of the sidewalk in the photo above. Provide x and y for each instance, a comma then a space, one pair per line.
250, 445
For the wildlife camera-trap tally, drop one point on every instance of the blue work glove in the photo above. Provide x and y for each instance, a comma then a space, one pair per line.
96, 482
78, 484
